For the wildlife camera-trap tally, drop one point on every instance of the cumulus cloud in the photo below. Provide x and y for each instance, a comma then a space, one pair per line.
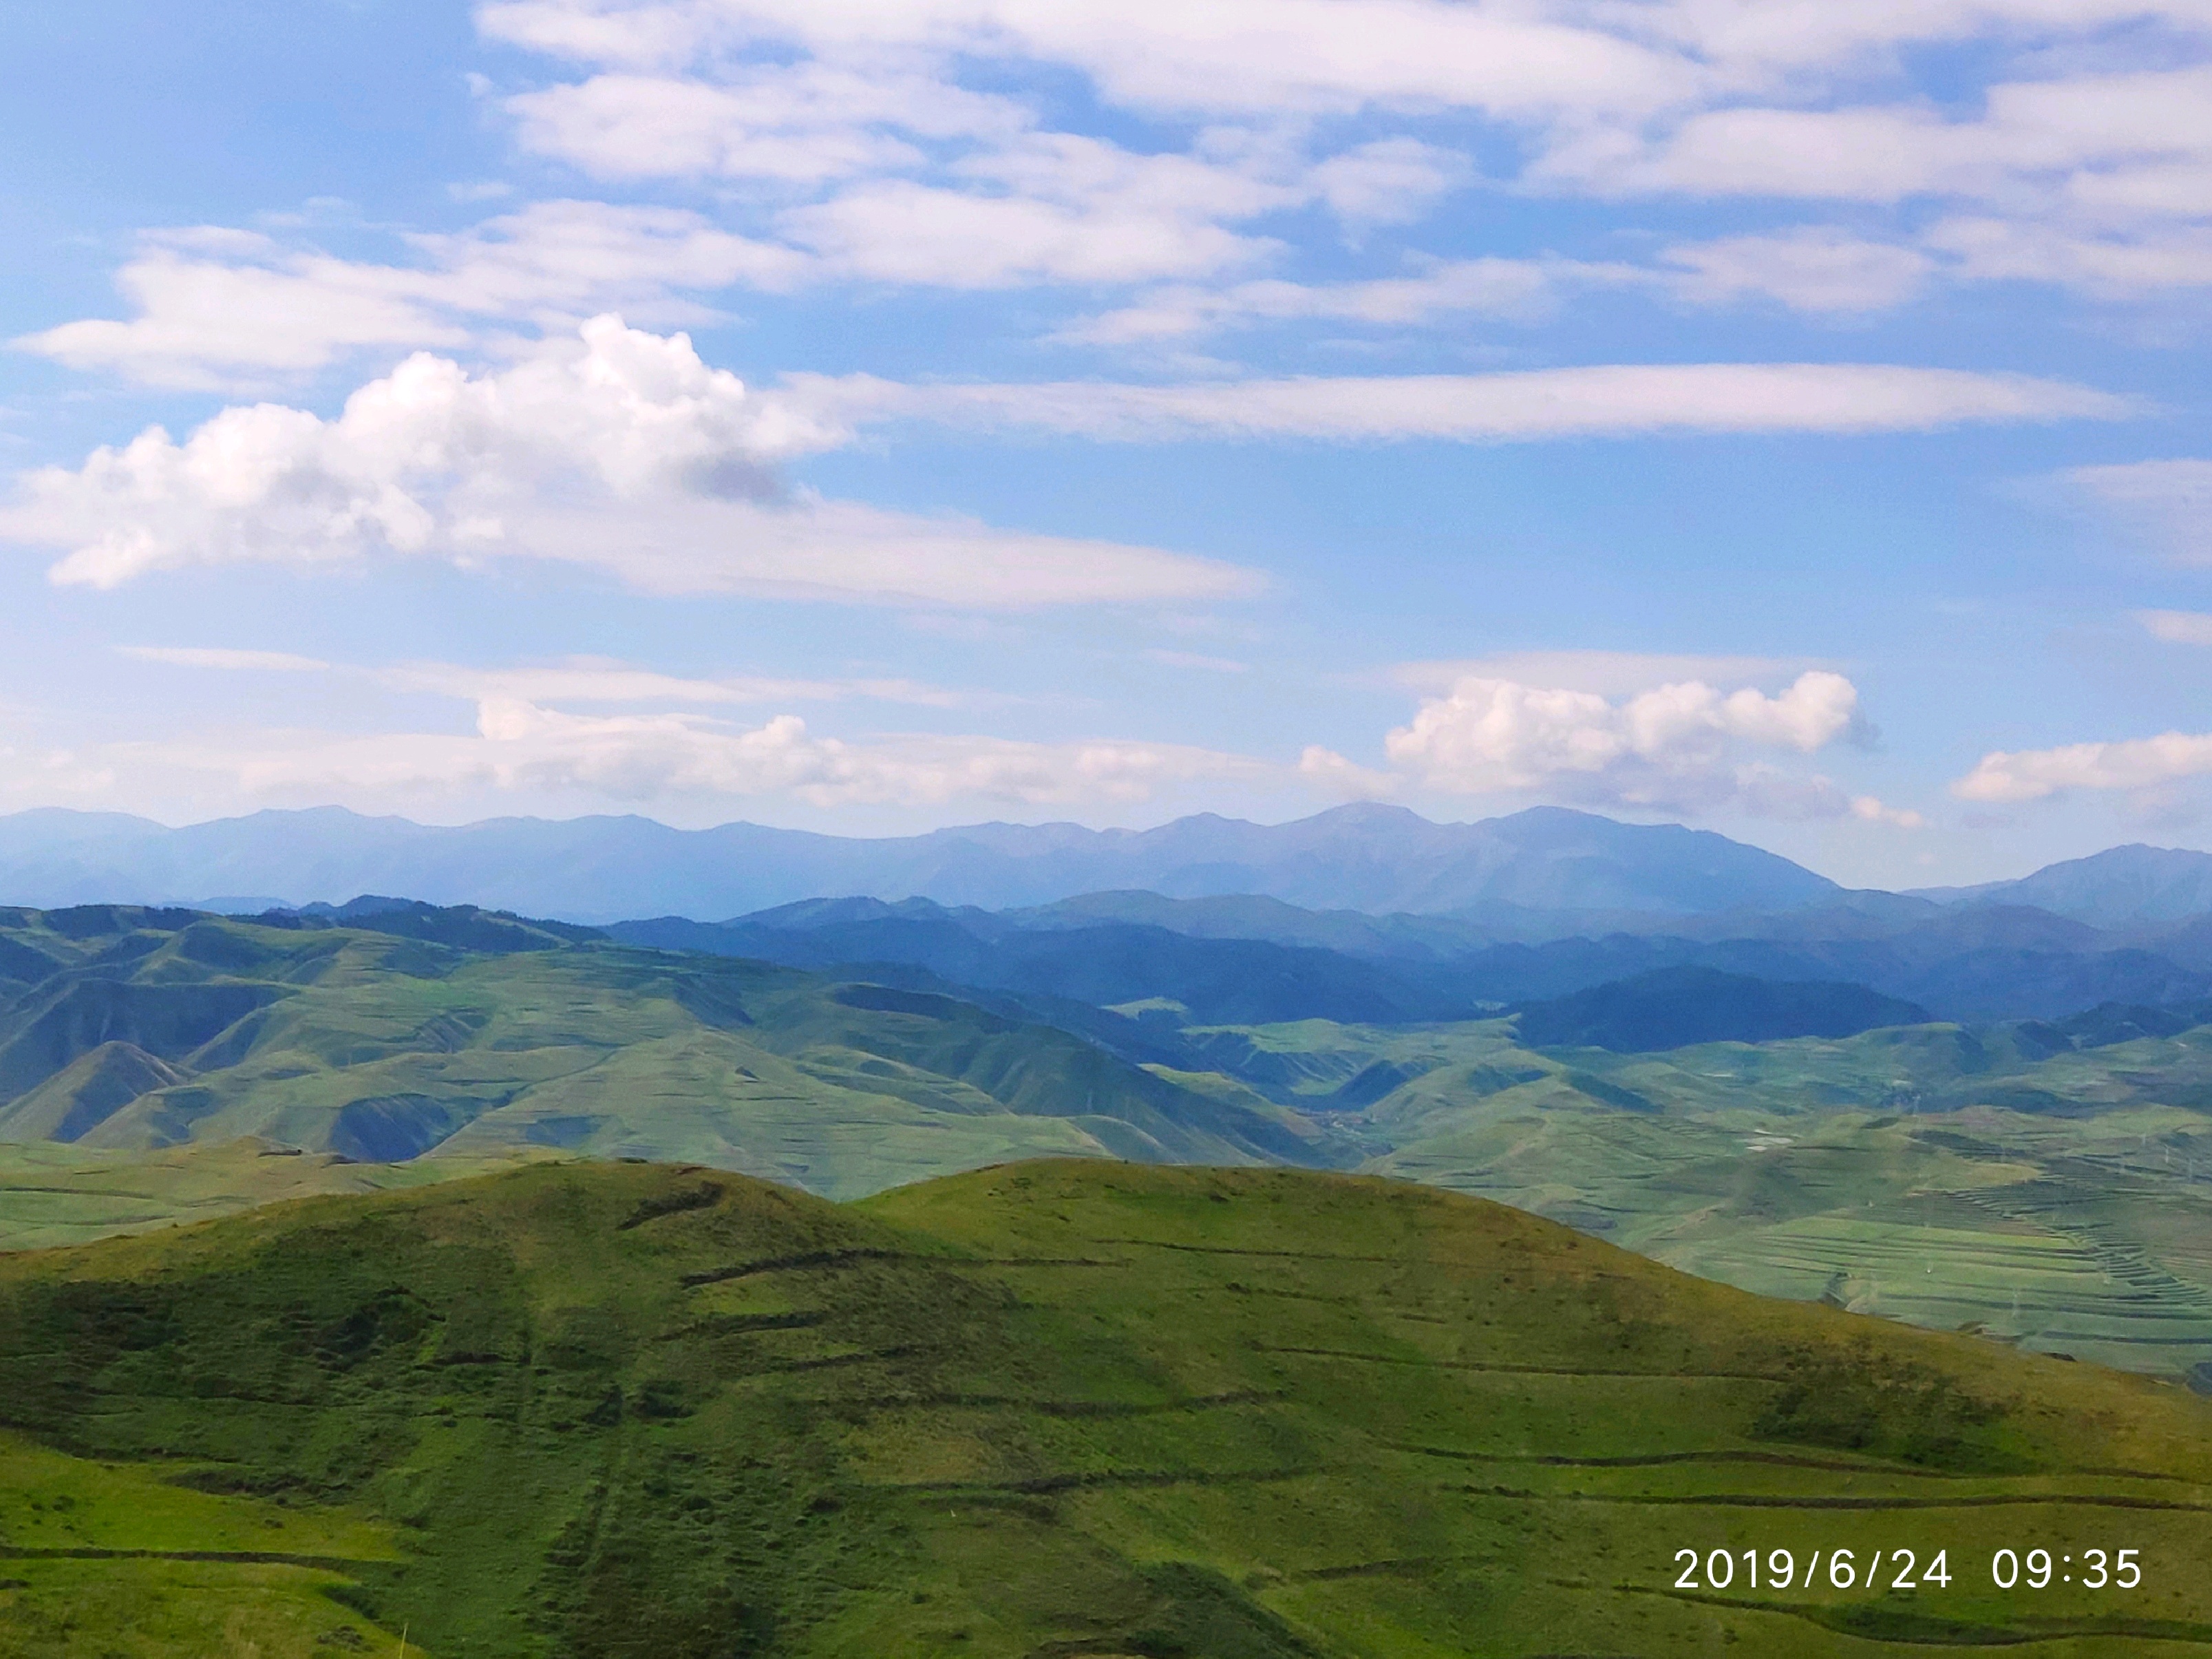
1674, 747
214, 306
2136, 763
621, 451
1505, 407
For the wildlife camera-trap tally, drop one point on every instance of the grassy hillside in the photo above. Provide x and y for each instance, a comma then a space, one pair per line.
1061, 1408
1676, 1007
475, 1037
2046, 1182
2061, 1199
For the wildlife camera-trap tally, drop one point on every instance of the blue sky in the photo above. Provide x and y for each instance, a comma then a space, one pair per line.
874, 414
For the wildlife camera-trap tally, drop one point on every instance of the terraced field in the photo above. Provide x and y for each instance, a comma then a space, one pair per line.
1050, 1409
1818, 1170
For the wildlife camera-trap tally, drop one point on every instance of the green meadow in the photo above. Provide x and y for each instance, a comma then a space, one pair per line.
1060, 1408
164, 1068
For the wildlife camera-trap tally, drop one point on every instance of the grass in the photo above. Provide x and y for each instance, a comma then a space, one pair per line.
1058, 1408
1998, 1180
1884, 1171
157, 1031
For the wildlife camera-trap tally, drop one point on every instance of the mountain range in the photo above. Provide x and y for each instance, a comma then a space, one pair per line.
1252, 961
1545, 873
1364, 857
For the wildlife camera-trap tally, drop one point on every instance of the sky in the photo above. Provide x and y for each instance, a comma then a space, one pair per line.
870, 414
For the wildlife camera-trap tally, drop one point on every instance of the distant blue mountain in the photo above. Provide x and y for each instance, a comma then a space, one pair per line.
2129, 886
1365, 858
1253, 960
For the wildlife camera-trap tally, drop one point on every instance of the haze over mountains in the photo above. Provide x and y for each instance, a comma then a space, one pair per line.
1521, 875
1362, 857
1366, 912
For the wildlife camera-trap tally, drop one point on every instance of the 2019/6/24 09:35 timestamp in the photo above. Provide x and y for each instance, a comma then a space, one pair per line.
2035, 1568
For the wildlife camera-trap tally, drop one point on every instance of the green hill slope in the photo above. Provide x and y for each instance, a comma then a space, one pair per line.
416, 1031
1074, 1408
1675, 1007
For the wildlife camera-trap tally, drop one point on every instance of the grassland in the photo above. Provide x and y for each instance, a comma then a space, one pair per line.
1065, 1409
167, 1067
139, 1032
2063, 1201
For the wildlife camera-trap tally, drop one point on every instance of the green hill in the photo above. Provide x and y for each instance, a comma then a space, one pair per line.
2043, 1182
1065, 1409
410, 1030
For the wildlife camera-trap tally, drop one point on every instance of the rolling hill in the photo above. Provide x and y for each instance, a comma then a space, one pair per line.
606, 1410
1678, 1007
410, 1030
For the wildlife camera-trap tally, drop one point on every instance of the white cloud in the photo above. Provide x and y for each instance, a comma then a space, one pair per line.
215, 305
185, 656
794, 124
2178, 627
1672, 747
638, 758
1198, 660
2113, 264
577, 679
621, 451
1389, 181
1519, 288
1527, 405
1232, 57
1608, 673
1050, 207
898, 231
1333, 773
1795, 35
2097, 180
2137, 763
2055, 131
1811, 269
601, 680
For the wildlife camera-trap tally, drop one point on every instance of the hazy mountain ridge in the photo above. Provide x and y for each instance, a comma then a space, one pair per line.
2130, 886
1675, 1007
1974, 963
1361, 857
